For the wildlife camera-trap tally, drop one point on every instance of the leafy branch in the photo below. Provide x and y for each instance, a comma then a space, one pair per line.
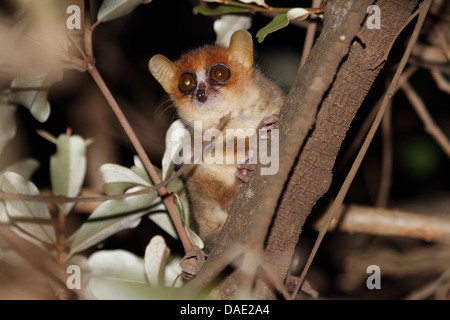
22, 204
282, 18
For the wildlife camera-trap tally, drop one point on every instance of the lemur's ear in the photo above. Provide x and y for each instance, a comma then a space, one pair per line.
241, 48
163, 70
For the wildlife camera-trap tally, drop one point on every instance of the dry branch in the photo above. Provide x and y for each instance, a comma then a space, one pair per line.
391, 222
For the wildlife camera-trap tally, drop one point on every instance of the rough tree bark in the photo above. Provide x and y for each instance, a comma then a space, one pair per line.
337, 76
312, 174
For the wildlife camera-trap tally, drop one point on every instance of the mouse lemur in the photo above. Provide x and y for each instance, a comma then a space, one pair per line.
205, 84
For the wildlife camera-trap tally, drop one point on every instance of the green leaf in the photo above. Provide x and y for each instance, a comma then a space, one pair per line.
111, 217
30, 90
113, 9
118, 264
118, 179
68, 168
140, 170
175, 136
281, 21
39, 222
25, 168
277, 23
219, 10
108, 288
155, 260
120, 275
7, 122
162, 220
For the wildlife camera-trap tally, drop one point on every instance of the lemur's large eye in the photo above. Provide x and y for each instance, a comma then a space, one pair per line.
219, 73
187, 83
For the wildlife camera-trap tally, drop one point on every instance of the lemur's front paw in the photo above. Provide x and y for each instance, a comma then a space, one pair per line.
267, 124
263, 129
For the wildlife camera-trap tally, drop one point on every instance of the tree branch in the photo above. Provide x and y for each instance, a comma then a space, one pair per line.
390, 222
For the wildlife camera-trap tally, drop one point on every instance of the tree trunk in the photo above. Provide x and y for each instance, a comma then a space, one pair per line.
312, 174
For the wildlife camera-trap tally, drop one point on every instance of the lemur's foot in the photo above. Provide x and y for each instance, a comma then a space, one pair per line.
243, 169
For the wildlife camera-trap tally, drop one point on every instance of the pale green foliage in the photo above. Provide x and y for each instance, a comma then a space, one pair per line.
118, 179
111, 217
25, 91
119, 274
156, 255
7, 122
33, 217
231, 22
282, 20
113, 9
118, 271
68, 168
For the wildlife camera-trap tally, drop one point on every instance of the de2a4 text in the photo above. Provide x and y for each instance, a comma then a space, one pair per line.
246, 309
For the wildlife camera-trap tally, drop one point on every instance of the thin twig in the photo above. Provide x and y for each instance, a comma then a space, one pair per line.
386, 161
423, 10
310, 35
80, 50
441, 82
81, 199
430, 126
